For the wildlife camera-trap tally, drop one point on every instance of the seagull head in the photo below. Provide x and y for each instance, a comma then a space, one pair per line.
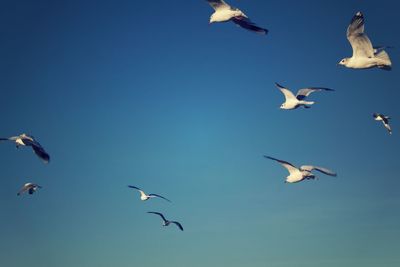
344, 61
283, 106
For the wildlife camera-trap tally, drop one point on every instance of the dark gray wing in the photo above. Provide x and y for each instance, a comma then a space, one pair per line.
248, 25
159, 214
41, 153
134, 187
178, 224
359, 41
303, 93
155, 195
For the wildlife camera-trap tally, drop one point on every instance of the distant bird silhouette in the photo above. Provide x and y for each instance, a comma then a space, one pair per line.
384, 119
26, 140
165, 221
224, 12
144, 196
365, 56
293, 102
30, 187
302, 173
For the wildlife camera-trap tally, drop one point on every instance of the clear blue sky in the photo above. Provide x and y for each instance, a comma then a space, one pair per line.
148, 93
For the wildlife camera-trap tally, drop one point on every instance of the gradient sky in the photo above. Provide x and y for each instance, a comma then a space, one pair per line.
148, 93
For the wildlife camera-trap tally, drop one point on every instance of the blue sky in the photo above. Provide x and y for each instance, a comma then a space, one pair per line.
149, 94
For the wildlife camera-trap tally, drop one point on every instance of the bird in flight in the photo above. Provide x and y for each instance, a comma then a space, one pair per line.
302, 173
364, 56
384, 119
224, 12
30, 187
293, 102
165, 221
144, 196
26, 140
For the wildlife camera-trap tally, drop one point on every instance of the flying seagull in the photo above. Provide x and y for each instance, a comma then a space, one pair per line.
30, 187
224, 12
365, 56
26, 140
302, 173
165, 221
384, 119
144, 196
293, 102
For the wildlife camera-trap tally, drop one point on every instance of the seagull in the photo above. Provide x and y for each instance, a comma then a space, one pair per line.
365, 56
26, 140
30, 187
144, 196
224, 12
293, 102
165, 221
302, 173
384, 119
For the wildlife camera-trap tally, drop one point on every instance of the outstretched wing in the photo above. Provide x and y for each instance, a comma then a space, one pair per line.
387, 126
218, 4
303, 93
290, 167
178, 224
286, 92
359, 41
159, 214
134, 187
155, 195
320, 169
23, 190
41, 153
248, 25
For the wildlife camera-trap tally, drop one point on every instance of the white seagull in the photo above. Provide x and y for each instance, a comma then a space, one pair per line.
365, 56
293, 102
224, 12
384, 119
165, 221
144, 196
30, 187
302, 173
26, 140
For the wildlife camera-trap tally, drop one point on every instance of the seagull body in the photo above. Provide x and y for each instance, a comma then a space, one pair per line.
144, 196
384, 119
364, 56
224, 13
30, 187
165, 221
293, 102
303, 173
26, 140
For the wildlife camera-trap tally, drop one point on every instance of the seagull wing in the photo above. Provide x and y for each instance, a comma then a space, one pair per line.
134, 187
286, 92
155, 195
41, 153
178, 224
359, 41
387, 126
320, 169
23, 189
159, 214
218, 4
290, 167
303, 93
248, 25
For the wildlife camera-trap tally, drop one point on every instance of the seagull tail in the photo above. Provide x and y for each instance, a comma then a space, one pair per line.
384, 60
307, 103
